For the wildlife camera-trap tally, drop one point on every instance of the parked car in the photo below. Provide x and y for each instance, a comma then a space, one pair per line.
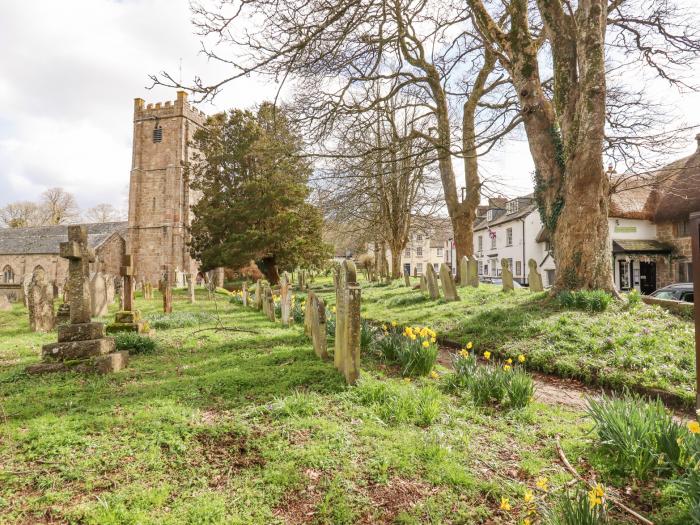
676, 292
498, 281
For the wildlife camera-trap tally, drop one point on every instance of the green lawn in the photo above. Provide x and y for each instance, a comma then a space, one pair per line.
643, 348
238, 427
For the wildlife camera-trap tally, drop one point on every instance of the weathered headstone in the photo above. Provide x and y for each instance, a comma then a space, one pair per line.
268, 303
534, 277
423, 284
301, 274
432, 282
407, 279
40, 302
166, 289
472, 272
244, 293
118, 290
190, 288
448, 285
259, 295
147, 290
109, 289
347, 324
5, 305
315, 324
98, 295
81, 345
463, 271
506, 276
286, 300
25, 288
128, 319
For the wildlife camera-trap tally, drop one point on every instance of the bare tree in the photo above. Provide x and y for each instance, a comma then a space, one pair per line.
21, 215
103, 213
59, 206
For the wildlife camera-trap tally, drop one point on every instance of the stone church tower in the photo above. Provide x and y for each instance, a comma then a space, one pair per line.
159, 194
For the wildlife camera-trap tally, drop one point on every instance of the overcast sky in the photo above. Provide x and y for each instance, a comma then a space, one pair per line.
70, 69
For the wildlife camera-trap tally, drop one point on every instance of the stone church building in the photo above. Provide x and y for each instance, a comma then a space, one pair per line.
159, 209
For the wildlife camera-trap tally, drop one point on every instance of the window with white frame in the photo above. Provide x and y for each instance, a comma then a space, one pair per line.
436, 267
419, 268
419, 251
407, 253
8, 275
493, 240
509, 236
490, 214
439, 252
510, 264
480, 243
419, 237
480, 267
512, 206
518, 267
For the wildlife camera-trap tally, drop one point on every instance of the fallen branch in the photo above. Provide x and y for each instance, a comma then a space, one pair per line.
225, 329
617, 503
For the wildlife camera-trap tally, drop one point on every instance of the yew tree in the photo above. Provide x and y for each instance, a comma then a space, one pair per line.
253, 180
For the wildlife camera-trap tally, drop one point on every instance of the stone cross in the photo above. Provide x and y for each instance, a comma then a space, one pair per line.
347, 323
315, 324
126, 270
286, 299
431, 279
534, 277
448, 285
40, 302
506, 276
79, 257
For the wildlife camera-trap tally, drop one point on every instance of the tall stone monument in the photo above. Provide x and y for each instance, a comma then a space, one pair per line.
534, 277
259, 295
82, 344
347, 323
40, 302
432, 282
448, 284
506, 276
286, 300
128, 319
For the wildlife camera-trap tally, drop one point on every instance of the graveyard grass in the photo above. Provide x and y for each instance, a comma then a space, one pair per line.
238, 427
641, 348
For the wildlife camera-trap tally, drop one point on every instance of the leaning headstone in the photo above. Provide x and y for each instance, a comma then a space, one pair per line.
190, 288
315, 327
506, 276
448, 284
285, 299
98, 295
473, 272
128, 319
534, 277
82, 345
40, 302
5, 305
347, 324
268, 303
432, 282
301, 274
423, 284
259, 295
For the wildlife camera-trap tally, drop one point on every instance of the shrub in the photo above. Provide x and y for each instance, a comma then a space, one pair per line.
135, 343
367, 334
519, 389
389, 346
577, 509
634, 298
640, 436
487, 385
417, 356
179, 320
591, 300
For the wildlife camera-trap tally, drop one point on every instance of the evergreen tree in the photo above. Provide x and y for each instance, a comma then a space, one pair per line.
253, 181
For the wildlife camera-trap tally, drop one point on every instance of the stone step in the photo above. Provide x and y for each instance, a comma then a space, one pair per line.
103, 364
80, 332
70, 350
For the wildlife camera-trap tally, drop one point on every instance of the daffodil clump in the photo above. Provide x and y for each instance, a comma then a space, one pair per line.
414, 348
237, 297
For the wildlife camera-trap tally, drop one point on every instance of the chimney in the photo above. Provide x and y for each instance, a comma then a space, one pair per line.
697, 138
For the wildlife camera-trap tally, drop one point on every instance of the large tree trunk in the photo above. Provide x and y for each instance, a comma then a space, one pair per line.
395, 261
268, 266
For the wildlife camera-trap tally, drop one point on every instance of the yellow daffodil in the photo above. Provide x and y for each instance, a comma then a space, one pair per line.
432, 339
521, 358
694, 427
412, 337
507, 368
509, 361
527, 521
463, 353
426, 344
529, 496
384, 327
394, 323
406, 379
487, 355
333, 309
470, 345
595, 495
434, 374
542, 484
505, 504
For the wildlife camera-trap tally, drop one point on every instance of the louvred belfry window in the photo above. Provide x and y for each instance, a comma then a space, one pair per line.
157, 134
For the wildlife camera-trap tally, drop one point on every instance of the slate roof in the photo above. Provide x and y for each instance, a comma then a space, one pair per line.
640, 246
523, 211
45, 239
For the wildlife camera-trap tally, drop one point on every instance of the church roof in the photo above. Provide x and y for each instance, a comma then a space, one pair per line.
45, 239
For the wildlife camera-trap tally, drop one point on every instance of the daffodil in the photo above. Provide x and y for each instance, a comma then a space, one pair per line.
432, 339
394, 323
507, 368
384, 327
505, 504
509, 361
434, 374
426, 344
470, 345
333, 309
521, 358
542, 484
406, 379
527, 521
595, 496
529, 496
694, 427
463, 353
487, 355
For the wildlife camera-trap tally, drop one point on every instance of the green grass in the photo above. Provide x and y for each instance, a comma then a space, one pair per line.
642, 348
251, 427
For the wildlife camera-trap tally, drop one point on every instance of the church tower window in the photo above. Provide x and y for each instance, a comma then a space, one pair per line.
8, 275
157, 134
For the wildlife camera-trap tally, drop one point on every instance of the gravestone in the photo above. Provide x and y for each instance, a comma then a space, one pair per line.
534, 277
472, 272
423, 284
315, 324
63, 314
98, 295
25, 288
128, 319
166, 289
190, 288
244, 293
407, 279
147, 290
109, 289
302, 279
268, 303
448, 285
285, 299
5, 305
432, 282
506, 276
40, 302
118, 290
464, 271
346, 356
259, 295
82, 345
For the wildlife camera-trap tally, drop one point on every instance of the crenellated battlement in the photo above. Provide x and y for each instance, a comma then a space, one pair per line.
175, 108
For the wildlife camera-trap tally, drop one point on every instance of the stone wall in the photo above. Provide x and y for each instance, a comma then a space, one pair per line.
667, 271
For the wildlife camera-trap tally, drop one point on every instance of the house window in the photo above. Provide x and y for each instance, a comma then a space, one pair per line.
436, 267
509, 236
489, 215
486, 269
419, 251
518, 267
8, 275
419, 268
550, 277
493, 241
512, 206
419, 237
510, 264
439, 252
407, 253
480, 243
685, 272
683, 229
480, 267
625, 282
